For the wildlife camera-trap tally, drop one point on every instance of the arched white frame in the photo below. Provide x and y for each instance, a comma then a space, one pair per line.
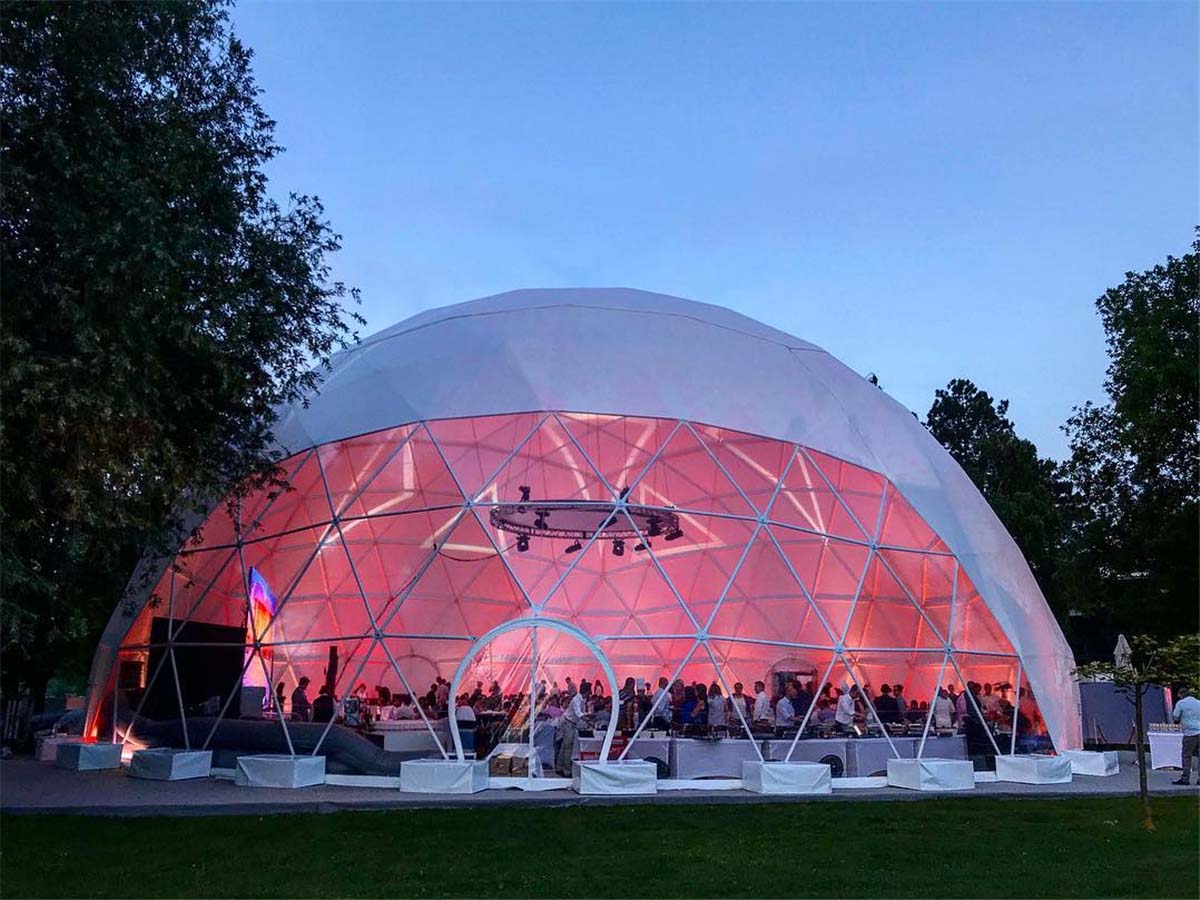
535, 622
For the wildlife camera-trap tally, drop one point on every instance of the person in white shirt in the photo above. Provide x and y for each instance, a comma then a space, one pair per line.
763, 714
989, 704
568, 729
785, 710
718, 707
1187, 714
843, 716
943, 711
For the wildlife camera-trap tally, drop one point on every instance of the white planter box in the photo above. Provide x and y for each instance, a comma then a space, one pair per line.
1033, 769
786, 777
630, 776
1093, 762
443, 776
931, 774
88, 757
278, 770
164, 764
47, 747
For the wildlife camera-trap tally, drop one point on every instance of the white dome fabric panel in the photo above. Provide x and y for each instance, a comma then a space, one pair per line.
635, 353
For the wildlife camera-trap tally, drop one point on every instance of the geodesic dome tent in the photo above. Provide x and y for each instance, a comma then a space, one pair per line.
570, 482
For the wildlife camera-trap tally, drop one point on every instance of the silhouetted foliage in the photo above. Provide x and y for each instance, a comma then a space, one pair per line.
1025, 491
1134, 467
158, 303
1112, 534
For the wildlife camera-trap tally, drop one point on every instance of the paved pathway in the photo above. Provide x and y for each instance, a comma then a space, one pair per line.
27, 786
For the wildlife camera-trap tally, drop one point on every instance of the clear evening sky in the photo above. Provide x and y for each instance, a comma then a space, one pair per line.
925, 190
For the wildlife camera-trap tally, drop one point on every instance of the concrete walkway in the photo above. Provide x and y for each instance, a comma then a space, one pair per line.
28, 786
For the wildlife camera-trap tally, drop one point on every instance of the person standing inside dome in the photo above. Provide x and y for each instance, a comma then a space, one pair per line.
569, 724
661, 710
785, 709
843, 716
718, 707
324, 706
898, 696
738, 704
763, 714
700, 710
943, 711
886, 706
301, 706
686, 709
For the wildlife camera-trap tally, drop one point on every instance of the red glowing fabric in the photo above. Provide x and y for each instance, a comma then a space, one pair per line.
789, 560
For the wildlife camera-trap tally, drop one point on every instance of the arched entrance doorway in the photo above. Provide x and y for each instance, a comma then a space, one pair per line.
532, 626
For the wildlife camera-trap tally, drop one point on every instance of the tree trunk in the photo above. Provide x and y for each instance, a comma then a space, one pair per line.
1147, 816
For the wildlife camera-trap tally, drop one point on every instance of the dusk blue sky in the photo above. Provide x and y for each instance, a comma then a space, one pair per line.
925, 190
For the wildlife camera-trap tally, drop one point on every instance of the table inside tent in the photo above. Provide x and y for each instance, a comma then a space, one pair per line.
697, 758
860, 757
411, 735
864, 757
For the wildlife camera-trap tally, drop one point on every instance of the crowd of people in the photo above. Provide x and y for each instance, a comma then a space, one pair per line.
690, 708
697, 709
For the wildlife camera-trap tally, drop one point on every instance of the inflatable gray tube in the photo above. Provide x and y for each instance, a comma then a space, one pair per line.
346, 752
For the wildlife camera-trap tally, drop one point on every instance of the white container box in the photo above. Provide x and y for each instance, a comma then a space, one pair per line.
629, 776
278, 770
1093, 762
1029, 768
47, 747
786, 777
443, 776
86, 757
165, 764
931, 774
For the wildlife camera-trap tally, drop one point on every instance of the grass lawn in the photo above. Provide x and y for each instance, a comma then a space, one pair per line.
962, 847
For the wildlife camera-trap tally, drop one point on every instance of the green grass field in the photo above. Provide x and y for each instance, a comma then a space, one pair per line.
964, 848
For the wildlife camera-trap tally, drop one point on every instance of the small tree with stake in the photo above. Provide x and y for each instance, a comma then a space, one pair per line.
1150, 662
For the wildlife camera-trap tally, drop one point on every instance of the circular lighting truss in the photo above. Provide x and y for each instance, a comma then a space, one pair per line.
579, 520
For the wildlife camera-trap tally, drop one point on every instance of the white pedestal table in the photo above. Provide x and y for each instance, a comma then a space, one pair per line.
931, 774
443, 776
166, 764
786, 777
279, 770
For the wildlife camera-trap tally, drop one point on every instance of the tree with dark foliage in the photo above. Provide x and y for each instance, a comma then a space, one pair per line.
158, 303
1135, 461
1025, 491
